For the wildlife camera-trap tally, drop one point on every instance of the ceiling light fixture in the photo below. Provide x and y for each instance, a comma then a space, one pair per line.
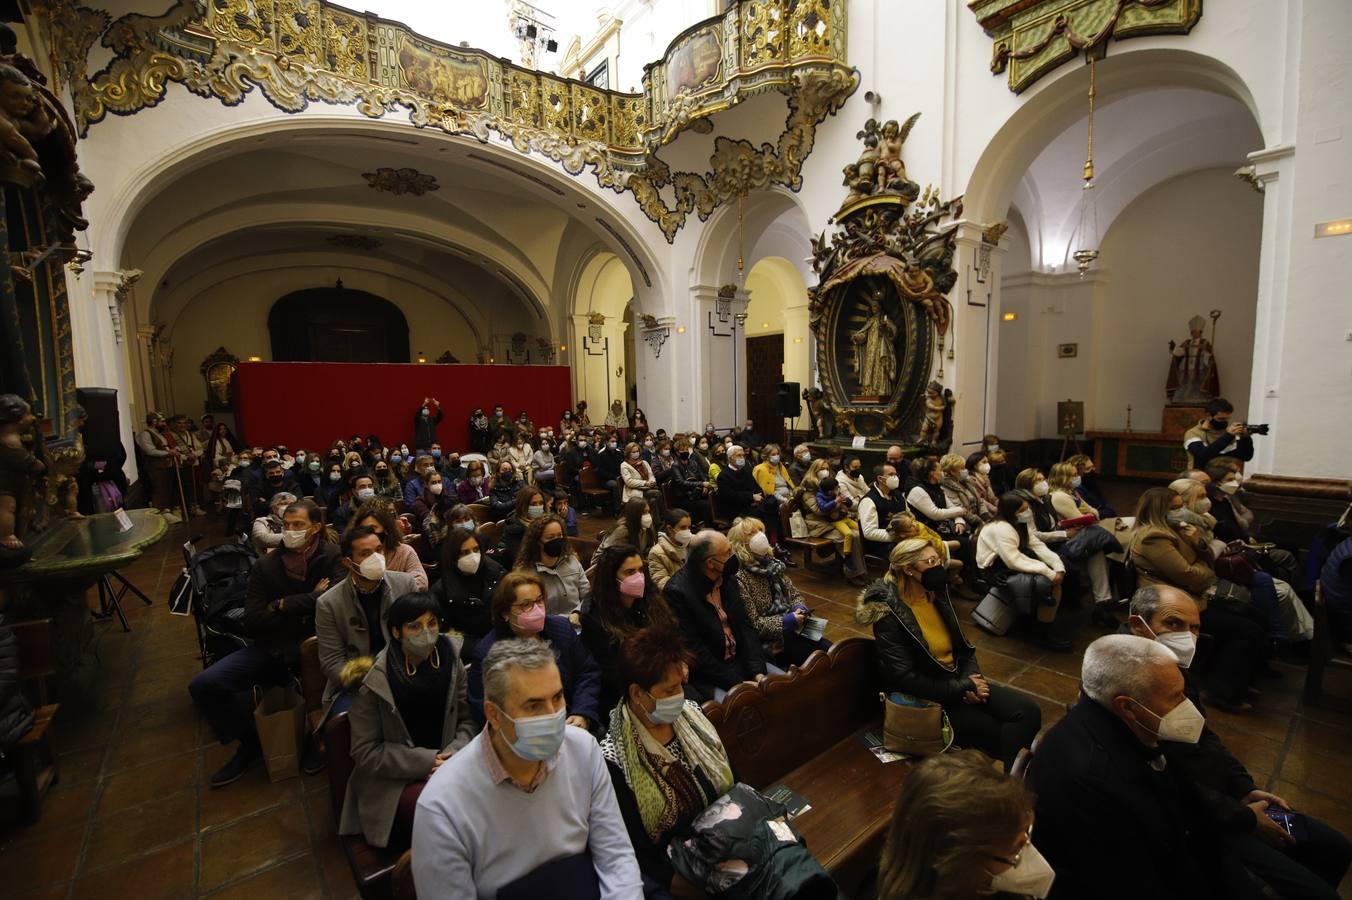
1086, 235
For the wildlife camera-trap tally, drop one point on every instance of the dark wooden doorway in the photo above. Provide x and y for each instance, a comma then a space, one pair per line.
337, 324
764, 373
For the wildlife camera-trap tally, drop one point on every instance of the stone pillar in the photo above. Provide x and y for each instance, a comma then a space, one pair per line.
968, 364
1274, 168
720, 357
655, 371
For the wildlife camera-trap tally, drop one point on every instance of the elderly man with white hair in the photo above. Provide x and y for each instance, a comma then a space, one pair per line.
527, 808
739, 494
707, 602
1114, 819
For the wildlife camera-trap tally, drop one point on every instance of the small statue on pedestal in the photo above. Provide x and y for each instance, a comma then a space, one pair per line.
1193, 377
938, 422
18, 468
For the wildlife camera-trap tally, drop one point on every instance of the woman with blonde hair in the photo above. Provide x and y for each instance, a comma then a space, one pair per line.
960, 829
960, 490
1063, 480
774, 606
922, 652
1197, 510
839, 524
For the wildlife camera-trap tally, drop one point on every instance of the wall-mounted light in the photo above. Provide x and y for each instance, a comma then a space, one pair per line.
797, 340
1336, 228
422, 359
680, 329
1009, 316
255, 359
765, 324
563, 347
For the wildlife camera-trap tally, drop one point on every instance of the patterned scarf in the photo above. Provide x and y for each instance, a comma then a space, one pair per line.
664, 788
297, 562
772, 570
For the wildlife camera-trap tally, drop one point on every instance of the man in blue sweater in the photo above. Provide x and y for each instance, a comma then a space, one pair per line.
527, 809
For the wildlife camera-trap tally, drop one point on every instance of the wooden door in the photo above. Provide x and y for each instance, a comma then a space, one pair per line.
764, 373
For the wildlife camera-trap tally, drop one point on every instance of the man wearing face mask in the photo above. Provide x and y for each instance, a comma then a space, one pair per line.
527, 808
416, 486
363, 488
275, 480
284, 586
880, 504
1115, 817
1217, 437
350, 616
425, 422
606, 458
1311, 866
707, 602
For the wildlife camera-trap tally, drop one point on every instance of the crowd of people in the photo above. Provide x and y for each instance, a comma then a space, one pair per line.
496, 685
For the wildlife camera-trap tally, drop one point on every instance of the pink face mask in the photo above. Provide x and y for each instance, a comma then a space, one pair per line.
532, 621
634, 585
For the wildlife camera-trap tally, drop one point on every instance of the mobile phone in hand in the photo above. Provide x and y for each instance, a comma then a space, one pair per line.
1291, 822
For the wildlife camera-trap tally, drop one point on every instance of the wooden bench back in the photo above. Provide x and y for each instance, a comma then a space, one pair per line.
772, 728
338, 759
312, 679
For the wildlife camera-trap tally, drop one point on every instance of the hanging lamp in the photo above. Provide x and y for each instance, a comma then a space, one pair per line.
1086, 232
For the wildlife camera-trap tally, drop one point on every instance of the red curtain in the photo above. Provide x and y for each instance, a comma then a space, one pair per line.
310, 405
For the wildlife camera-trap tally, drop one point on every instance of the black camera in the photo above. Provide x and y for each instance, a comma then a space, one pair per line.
1256, 429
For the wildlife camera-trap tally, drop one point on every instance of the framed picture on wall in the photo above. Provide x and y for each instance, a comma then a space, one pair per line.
1067, 351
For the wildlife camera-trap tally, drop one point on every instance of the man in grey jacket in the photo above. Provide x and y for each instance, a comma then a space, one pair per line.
350, 616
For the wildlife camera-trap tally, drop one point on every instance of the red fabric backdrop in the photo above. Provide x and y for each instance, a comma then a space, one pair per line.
312, 404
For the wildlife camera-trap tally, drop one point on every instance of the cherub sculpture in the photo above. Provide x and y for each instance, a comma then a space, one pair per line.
939, 405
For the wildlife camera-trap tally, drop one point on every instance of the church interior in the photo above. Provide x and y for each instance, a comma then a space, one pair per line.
896, 383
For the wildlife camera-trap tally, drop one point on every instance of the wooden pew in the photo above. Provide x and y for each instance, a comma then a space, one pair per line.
802, 729
372, 867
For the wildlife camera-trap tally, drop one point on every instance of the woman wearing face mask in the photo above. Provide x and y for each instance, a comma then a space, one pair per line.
473, 489
518, 611
1011, 557
923, 652
399, 556
636, 474
1089, 489
267, 530
774, 606
431, 506
668, 555
961, 492
663, 459
718, 459
386, 486
665, 758
1233, 519
502, 493
979, 472
522, 454
530, 505
542, 464
468, 579
310, 475
335, 486
547, 555
1064, 481
638, 425
926, 500
410, 715
959, 831
624, 600
690, 481
637, 526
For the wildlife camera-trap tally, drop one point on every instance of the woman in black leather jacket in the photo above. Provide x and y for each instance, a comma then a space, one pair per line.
923, 652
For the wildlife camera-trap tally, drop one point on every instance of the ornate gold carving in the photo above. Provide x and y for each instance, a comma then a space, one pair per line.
401, 181
1032, 39
301, 51
991, 234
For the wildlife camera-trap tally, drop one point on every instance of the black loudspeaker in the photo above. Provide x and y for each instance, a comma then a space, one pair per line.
103, 428
788, 401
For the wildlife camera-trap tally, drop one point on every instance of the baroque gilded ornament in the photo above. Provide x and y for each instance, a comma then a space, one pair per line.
297, 52
880, 311
401, 181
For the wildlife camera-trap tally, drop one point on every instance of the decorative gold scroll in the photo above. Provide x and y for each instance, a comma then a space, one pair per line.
1032, 39
301, 51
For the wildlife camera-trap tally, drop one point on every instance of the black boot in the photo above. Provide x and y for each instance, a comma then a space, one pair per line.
246, 757
1048, 636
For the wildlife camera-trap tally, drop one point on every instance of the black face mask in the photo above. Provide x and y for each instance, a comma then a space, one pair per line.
275, 479
934, 579
554, 547
1219, 424
730, 568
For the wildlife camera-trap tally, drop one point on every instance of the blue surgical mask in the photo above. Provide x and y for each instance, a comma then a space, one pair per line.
436, 454
394, 458
667, 709
539, 737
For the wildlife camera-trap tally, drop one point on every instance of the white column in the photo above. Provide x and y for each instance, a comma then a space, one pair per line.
1274, 167
969, 367
720, 362
655, 375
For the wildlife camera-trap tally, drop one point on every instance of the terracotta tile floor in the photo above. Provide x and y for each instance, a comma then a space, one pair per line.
133, 815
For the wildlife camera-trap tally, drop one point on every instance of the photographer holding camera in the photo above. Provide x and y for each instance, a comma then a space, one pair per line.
1216, 437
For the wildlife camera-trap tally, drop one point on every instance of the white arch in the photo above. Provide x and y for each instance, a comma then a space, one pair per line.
774, 223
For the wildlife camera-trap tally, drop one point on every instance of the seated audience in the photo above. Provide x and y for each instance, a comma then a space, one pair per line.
667, 554
1001, 475
636, 474
266, 533
399, 556
563, 508
528, 798
350, 615
802, 459
522, 456
979, 470
706, 600
880, 504
542, 465
1081, 548
960, 830
923, 653
415, 484
465, 589
959, 491
278, 615
773, 479
666, 760
518, 611
1103, 782
1011, 557
1178, 557
432, 504
409, 716
548, 555
473, 489
503, 492
1065, 498
387, 485
774, 606
274, 479
1310, 867
606, 457
530, 505
925, 499
1233, 519
361, 491
850, 476
1089, 489
624, 600
740, 495
637, 526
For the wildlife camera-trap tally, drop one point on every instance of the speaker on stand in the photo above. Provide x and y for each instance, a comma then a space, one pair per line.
789, 404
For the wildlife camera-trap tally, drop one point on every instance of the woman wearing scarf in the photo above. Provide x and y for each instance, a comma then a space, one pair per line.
480, 432
665, 758
410, 715
774, 607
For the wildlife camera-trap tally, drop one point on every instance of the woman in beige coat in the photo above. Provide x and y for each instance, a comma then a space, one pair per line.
411, 714
668, 555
